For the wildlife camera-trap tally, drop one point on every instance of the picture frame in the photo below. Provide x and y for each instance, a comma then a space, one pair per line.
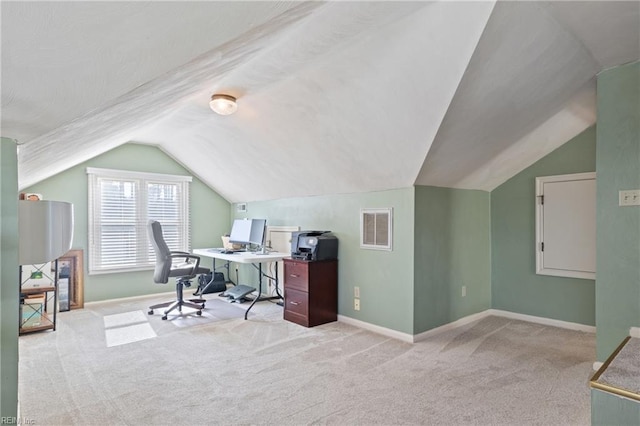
71, 270
30, 196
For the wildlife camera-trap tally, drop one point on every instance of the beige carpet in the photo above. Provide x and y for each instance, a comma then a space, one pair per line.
225, 370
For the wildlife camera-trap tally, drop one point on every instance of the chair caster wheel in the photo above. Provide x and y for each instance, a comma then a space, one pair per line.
150, 312
199, 313
164, 317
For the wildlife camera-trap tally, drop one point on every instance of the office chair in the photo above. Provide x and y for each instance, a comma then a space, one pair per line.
166, 268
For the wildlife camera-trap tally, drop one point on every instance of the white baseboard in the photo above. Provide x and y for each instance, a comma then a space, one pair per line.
408, 337
469, 319
450, 326
543, 321
123, 299
634, 332
376, 329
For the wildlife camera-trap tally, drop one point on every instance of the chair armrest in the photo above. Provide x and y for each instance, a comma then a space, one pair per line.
186, 256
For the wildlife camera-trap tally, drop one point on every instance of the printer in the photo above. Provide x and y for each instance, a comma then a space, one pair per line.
314, 245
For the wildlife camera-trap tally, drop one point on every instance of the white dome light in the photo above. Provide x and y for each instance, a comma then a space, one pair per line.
223, 104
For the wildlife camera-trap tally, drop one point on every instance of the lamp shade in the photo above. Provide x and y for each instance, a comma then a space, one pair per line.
45, 230
223, 104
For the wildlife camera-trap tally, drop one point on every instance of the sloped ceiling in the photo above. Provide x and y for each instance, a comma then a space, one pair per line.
333, 97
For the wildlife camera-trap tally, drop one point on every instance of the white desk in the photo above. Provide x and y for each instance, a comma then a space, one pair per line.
246, 257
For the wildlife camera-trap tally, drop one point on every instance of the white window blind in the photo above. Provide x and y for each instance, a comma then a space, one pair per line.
376, 228
121, 203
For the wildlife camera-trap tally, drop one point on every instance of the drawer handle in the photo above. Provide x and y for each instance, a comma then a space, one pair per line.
294, 275
294, 303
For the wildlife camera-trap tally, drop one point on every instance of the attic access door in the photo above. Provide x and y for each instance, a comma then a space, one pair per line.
566, 225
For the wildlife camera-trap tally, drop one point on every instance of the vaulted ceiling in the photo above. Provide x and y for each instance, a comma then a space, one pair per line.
333, 97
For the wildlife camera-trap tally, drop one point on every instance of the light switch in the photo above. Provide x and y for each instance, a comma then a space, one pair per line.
630, 197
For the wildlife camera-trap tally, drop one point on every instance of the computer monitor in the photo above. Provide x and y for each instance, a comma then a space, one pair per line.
258, 231
240, 231
248, 231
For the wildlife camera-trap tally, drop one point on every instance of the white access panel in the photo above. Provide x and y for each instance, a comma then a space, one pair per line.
566, 225
279, 239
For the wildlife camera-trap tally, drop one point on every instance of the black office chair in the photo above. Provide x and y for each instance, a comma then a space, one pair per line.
166, 267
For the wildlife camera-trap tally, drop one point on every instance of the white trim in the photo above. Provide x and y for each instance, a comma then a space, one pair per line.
141, 175
543, 321
464, 321
280, 228
597, 365
137, 216
450, 326
377, 329
124, 299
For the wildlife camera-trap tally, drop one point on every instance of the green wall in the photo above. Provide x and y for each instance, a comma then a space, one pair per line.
608, 409
9, 287
452, 249
618, 228
385, 278
209, 214
516, 287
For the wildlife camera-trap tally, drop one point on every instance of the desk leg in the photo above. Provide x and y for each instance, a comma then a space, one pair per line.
255, 299
259, 297
225, 266
277, 282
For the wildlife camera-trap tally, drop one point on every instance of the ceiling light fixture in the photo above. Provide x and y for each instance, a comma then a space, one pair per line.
223, 104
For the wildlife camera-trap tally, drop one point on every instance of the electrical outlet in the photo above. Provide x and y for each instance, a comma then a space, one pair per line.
629, 197
464, 290
356, 304
356, 292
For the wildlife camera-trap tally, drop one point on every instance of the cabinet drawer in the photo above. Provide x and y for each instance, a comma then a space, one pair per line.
296, 301
296, 275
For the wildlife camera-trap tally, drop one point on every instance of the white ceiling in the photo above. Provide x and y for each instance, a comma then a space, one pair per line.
334, 97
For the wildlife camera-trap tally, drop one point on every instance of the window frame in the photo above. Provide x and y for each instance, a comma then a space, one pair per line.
385, 210
142, 180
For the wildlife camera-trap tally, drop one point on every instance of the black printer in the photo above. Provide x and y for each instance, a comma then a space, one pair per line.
314, 245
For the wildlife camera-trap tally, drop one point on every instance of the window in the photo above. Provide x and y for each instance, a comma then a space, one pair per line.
376, 228
120, 205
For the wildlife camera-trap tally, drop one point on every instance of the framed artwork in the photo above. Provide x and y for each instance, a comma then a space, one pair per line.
71, 280
36, 276
30, 196
63, 294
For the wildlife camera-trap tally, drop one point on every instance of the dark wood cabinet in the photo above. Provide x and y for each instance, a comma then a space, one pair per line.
310, 291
